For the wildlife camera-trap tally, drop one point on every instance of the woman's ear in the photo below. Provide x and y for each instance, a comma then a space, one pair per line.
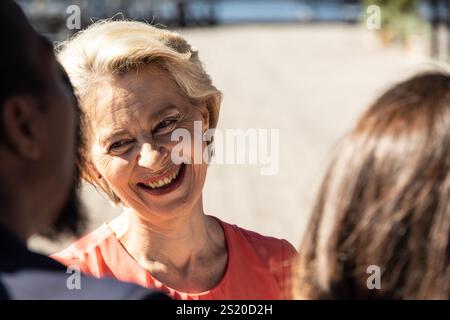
91, 174
94, 177
205, 116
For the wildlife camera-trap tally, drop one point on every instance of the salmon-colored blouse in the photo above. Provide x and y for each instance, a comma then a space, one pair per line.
258, 267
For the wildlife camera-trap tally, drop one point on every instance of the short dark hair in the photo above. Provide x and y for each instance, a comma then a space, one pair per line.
18, 74
385, 201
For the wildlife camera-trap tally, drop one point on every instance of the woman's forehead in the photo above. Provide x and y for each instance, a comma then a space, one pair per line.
134, 100
134, 94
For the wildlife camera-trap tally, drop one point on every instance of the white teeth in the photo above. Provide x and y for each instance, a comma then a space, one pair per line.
164, 181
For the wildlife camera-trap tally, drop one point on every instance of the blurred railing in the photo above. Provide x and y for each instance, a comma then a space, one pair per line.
440, 17
49, 16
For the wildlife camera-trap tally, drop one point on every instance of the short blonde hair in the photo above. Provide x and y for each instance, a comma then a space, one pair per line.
108, 48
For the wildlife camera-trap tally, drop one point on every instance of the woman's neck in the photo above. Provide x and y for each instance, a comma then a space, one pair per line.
179, 245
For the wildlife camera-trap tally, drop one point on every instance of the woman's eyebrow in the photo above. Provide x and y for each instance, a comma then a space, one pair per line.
163, 112
111, 135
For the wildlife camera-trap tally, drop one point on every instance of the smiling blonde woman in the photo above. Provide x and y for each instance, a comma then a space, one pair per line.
136, 85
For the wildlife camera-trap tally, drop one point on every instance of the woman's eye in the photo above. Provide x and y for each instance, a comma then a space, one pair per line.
119, 144
166, 123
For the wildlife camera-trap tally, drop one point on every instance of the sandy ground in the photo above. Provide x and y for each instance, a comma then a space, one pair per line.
311, 83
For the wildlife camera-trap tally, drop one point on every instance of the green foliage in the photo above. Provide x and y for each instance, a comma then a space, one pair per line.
400, 18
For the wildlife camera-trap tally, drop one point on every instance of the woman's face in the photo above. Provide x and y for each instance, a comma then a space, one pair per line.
132, 118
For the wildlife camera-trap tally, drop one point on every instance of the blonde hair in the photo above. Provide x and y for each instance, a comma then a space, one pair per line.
108, 48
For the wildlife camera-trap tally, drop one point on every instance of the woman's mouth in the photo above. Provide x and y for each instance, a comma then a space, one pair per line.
165, 184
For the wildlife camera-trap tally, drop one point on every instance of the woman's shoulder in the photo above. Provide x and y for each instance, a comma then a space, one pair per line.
256, 251
84, 250
264, 245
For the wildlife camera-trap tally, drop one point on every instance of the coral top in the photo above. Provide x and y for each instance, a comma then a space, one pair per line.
258, 267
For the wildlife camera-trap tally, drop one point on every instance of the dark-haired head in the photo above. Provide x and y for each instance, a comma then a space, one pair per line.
385, 202
38, 133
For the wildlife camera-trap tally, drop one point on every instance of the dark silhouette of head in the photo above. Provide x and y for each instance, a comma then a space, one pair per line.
39, 134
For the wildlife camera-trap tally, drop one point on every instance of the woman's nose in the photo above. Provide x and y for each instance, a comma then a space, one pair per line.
150, 156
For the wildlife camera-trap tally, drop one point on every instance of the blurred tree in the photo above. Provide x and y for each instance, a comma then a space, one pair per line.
400, 19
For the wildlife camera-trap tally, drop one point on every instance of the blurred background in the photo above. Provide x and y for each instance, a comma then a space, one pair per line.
307, 68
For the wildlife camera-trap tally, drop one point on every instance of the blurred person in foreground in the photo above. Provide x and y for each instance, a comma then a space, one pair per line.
38, 176
385, 203
138, 85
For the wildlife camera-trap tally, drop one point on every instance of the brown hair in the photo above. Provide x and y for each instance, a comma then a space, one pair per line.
385, 201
